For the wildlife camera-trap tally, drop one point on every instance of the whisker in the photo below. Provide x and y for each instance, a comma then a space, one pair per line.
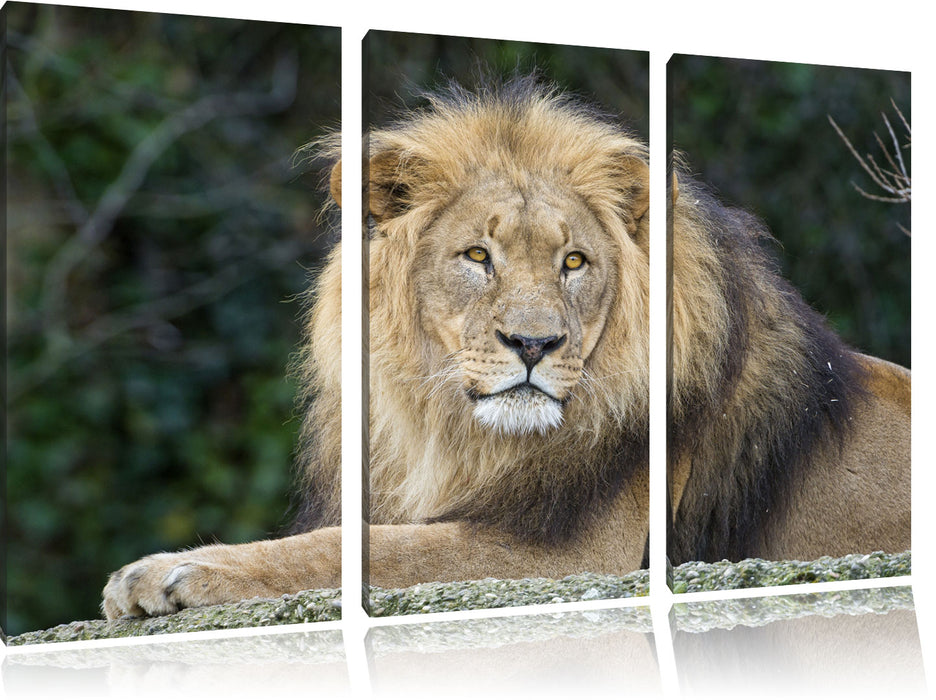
450, 368
587, 377
594, 385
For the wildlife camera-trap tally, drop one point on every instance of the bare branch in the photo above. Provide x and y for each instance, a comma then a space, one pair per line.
906, 125
99, 224
895, 180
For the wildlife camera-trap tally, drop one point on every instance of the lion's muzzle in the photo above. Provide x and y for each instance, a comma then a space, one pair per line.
531, 350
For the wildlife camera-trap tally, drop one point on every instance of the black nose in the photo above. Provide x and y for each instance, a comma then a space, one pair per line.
530, 350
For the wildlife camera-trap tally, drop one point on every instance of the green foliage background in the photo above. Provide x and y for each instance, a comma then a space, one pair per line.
398, 65
759, 133
158, 231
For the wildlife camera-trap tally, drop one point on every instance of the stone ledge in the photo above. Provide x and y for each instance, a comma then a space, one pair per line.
325, 605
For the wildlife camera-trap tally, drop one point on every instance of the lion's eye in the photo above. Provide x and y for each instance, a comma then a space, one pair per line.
477, 254
573, 261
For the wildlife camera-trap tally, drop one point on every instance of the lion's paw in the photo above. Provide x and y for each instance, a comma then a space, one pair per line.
161, 584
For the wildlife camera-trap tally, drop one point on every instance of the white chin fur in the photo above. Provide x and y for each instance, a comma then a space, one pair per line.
519, 412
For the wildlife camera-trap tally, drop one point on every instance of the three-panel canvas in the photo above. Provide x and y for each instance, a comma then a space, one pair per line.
173, 388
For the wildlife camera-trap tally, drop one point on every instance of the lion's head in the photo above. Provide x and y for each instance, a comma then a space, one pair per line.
514, 283
508, 299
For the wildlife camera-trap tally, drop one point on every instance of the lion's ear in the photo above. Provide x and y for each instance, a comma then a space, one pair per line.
334, 183
385, 196
638, 176
390, 177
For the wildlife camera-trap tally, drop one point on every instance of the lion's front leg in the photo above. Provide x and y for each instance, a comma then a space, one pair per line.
404, 555
167, 582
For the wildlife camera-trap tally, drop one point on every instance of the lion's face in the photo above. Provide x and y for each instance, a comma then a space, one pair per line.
513, 285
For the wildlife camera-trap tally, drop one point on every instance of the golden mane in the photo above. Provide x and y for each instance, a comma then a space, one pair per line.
540, 487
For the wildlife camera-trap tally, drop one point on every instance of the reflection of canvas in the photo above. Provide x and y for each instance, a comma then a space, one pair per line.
784, 443
507, 318
855, 642
859, 642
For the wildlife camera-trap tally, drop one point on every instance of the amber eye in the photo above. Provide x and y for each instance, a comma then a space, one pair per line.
477, 254
573, 261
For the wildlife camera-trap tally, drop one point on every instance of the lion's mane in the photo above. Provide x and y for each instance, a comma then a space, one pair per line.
759, 386
429, 461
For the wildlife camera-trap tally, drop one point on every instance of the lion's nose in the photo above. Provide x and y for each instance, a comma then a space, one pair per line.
531, 350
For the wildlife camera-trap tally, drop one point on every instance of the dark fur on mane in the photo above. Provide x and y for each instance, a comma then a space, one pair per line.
558, 501
749, 453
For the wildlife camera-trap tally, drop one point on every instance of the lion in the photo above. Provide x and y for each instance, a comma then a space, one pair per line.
508, 243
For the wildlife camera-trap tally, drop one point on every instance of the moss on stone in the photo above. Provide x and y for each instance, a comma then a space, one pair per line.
693, 577
498, 593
